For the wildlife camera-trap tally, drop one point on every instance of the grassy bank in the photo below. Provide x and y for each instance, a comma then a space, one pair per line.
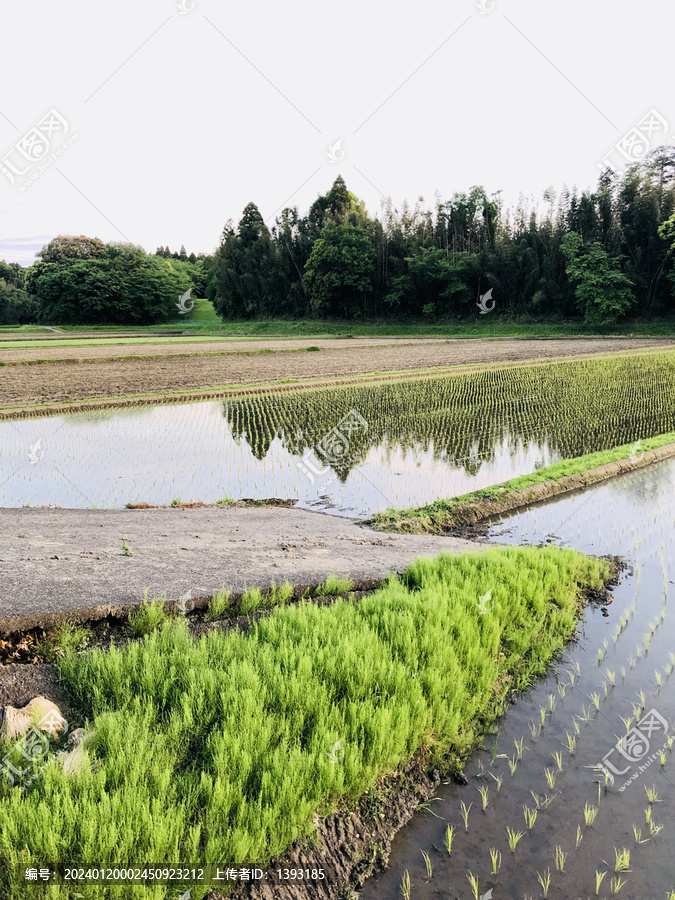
220, 750
201, 322
469, 509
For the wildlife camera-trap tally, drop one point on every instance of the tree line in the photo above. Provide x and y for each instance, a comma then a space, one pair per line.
597, 256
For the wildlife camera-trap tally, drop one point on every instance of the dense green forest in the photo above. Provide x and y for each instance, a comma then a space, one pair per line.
597, 257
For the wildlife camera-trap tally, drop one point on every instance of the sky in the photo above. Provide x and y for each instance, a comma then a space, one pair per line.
155, 123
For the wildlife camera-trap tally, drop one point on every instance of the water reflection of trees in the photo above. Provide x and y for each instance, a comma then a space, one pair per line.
579, 407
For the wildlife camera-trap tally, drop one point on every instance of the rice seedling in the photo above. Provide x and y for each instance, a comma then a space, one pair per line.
616, 883
333, 586
575, 725
576, 665
655, 829
125, 549
551, 702
662, 758
560, 858
571, 742
498, 780
596, 700
545, 881
513, 837
473, 881
648, 815
601, 655
643, 700
148, 617
637, 834
586, 714
218, 605
542, 714
65, 638
623, 671
652, 794
670, 895
604, 688
530, 816
537, 800
659, 678
547, 800
449, 837
519, 745
670, 744
557, 756
627, 722
513, 764
599, 876
405, 885
621, 860
496, 860
550, 778
590, 812
572, 678
534, 730
484, 791
464, 811
561, 690
250, 601
579, 838
427, 863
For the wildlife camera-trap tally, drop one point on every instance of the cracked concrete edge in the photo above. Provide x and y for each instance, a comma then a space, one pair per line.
90, 614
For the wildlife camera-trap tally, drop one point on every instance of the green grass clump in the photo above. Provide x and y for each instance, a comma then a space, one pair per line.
65, 638
218, 605
333, 586
148, 617
219, 748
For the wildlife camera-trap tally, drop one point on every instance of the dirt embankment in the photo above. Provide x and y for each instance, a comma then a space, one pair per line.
461, 518
31, 386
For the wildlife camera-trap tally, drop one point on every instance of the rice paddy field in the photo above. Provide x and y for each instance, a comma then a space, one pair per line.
224, 748
353, 451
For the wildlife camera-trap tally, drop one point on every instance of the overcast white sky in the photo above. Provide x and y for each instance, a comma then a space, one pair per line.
182, 118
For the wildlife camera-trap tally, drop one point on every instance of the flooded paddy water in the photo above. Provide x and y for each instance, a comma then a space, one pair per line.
352, 451
620, 669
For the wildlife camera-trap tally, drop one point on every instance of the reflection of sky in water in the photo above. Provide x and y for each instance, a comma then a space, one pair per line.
157, 454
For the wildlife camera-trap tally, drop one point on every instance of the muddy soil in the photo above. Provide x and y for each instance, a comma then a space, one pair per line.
59, 382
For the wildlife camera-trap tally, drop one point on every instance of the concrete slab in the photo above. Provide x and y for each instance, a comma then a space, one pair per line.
58, 563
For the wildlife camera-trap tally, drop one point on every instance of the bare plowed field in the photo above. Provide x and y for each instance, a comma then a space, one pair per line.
62, 382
